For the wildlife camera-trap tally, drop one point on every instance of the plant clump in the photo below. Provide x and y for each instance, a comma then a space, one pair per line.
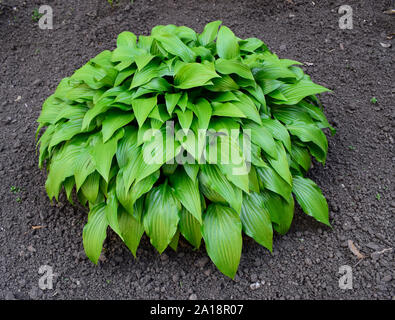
179, 133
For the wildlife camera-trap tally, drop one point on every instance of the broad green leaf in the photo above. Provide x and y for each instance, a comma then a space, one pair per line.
103, 153
310, 133
223, 84
187, 192
95, 232
251, 44
126, 39
209, 33
174, 242
256, 220
247, 107
161, 216
190, 228
193, 75
271, 180
310, 198
142, 107
281, 164
203, 112
227, 109
171, 101
295, 92
262, 137
191, 170
281, 211
301, 156
131, 230
212, 178
221, 231
146, 74
173, 44
227, 44
225, 66
184, 118
90, 187
114, 120
278, 131
112, 212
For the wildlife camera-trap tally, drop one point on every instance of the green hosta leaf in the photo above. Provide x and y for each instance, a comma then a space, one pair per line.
278, 131
227, 109
310, 198
162, 216
227, 44
65, 131
63, 164
272, 70
310, 133
223, 84
112, 212
209, 33
95, 232
233, 66
281, 164
184, 118
90, 187
131, 230
146, 74
175, 46
297, 91
281, 211
172, 100
251, 44
114, 120
191, 170
271, 180
190, 228
301, 156
222, 235
142, 107
103, 153
126, 39
212, 178
262, 137
193, 75
256, 220
187, 192
174, 242
247, 107
203, 112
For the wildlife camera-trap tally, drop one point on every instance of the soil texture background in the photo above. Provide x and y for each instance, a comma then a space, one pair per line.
358, 178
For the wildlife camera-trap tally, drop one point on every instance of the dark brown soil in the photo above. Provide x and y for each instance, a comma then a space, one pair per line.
358, 179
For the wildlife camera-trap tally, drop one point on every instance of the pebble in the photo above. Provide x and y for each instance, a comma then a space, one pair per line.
308, 262
31, 249
36, 82
193, 297
255, 285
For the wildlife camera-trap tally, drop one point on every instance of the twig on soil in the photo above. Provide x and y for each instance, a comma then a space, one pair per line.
354, 250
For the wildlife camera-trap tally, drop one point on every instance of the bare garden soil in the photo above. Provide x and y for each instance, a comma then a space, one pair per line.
358, 179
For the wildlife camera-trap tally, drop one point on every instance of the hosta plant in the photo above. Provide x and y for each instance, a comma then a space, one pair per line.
178, 133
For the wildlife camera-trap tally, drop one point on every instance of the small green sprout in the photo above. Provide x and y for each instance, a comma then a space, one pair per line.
373, 100
36, 15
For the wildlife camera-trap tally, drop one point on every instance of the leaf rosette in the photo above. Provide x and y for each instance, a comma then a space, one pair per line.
178, 133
